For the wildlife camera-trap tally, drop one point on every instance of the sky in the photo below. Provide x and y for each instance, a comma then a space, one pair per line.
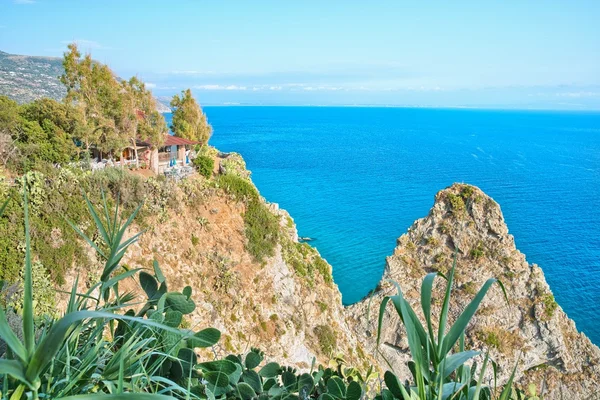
499, 54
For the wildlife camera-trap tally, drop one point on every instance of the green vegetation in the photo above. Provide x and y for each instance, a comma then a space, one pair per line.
112, 114
478, 251
550, 305
204, 165
431, 241
467, 191
322, 306
189, 121
262, 230
240, 188
326, 337
306, 261
456, 202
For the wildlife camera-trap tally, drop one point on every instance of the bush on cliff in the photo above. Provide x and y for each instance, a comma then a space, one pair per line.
262, 230
204, 165
240, 188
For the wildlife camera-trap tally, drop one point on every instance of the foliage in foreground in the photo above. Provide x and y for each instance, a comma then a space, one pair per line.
438, 372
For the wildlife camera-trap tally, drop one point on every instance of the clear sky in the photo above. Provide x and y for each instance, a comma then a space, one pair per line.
524, 54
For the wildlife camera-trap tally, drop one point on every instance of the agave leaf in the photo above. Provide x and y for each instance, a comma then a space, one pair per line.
112, 281
506, 392
465, 317
52, 342
119, 396
12, 341
28, 325
384, 302
426, 289
445, 307
414, 341
14, 369
96, 218
452, 362
86, 238
481, 376
131, 240
4, 205
72, 305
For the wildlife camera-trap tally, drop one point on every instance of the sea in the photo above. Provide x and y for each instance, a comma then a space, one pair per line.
355, 178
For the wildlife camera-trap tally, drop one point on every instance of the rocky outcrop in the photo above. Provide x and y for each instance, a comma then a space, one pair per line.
532, 328
281, 305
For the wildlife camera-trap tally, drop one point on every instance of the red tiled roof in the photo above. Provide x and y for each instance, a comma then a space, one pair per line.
174, 140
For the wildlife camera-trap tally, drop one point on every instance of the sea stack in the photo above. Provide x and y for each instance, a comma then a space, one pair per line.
532, 329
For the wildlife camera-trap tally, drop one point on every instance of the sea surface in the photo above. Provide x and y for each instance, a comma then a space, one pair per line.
355, 179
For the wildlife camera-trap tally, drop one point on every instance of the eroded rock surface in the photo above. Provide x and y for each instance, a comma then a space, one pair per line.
553, 355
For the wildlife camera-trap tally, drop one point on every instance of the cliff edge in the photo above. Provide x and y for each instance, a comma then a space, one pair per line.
532, 328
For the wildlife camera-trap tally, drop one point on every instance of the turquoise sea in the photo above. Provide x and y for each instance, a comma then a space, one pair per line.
356, 178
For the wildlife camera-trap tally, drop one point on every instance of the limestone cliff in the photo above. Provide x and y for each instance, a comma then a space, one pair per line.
562, 362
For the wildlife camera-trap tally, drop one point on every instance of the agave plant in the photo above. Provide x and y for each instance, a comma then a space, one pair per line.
438, 372
35, 368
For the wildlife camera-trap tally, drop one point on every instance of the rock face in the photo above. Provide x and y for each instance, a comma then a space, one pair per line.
552, 354
281, 305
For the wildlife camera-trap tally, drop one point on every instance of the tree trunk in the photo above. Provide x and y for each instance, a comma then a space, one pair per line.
135, 154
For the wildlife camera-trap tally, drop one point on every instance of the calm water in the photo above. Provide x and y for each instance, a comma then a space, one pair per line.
356, 178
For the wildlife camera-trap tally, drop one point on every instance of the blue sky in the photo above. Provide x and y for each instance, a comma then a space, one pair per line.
515, 54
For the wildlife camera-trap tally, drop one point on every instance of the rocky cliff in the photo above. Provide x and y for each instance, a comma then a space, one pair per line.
286, 304
532, 328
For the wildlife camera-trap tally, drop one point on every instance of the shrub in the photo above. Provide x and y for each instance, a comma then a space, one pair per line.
550, 305
477, 251
262, 230
467, 191
204, 165
240, 188
323, 268
326, 338
457, 203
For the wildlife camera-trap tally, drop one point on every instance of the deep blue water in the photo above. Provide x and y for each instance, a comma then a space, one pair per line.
356, 178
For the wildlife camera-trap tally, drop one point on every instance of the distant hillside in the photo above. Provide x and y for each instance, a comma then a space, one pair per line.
26, 78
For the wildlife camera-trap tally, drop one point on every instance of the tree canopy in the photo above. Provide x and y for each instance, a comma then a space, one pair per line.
114, 112
189, 122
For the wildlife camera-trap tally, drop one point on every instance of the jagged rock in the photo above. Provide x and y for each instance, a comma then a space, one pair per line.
554, 356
